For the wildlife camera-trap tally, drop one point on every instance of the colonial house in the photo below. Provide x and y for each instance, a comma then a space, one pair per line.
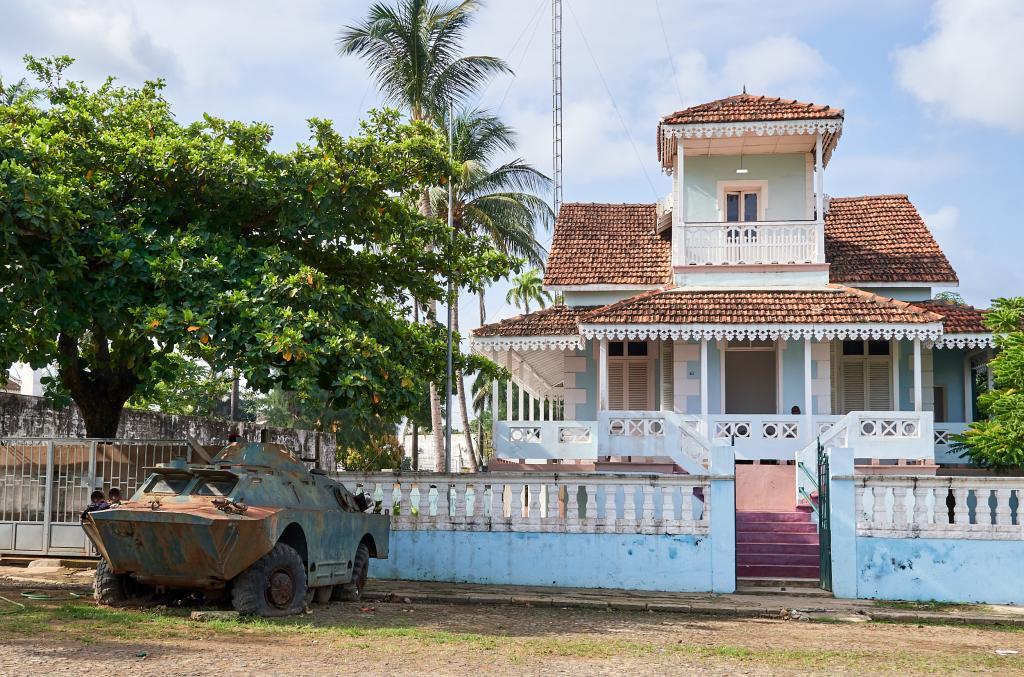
747, 308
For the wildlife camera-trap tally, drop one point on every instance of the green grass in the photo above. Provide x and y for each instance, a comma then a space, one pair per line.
924, 606
87, 623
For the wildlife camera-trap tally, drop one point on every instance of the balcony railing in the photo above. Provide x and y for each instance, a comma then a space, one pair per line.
752, 243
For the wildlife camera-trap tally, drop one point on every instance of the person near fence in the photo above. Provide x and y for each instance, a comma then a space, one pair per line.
114, 498
97, 501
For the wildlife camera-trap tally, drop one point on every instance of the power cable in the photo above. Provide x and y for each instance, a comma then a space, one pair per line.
611, 98
668, 51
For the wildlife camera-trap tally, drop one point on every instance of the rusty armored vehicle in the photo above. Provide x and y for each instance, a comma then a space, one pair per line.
254, 524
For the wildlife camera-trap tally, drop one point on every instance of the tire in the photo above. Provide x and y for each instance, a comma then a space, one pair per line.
275, 585
322, 595
353, 591
108, 588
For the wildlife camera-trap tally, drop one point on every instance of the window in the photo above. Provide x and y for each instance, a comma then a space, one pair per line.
168, 484
629, 376
216, 487
866, 372
742, 205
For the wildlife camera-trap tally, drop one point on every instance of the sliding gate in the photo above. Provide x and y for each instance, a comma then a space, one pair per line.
45, 486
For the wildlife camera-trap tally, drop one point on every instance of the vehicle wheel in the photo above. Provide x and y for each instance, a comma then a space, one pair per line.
109, 588
322, 595
275, 585
353, 591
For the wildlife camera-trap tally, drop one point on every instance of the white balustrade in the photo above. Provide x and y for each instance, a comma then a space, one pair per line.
896, 506
752, 243
538, 502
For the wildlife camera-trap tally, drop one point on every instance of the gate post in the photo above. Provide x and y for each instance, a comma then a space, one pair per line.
722, 506
48, 498
843, 522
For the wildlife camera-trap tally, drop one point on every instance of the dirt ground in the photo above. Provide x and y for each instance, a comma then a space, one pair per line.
73, 635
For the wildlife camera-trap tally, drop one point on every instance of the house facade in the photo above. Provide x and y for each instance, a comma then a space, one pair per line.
747, 308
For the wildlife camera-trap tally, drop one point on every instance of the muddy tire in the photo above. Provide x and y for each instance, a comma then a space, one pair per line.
353, 591
113, 589
275, 585
322, 595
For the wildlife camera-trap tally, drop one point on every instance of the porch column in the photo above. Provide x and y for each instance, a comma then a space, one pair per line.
819, 196
602, 375
529, 407
808, 394
989, 354
508, 400
918, 390
704, 382
495, 406
895, 374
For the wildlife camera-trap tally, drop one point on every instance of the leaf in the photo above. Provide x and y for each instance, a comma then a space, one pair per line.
287, 356
193, 327
204, 339
88, 174
154, 324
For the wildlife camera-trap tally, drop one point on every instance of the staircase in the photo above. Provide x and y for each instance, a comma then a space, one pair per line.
777, 545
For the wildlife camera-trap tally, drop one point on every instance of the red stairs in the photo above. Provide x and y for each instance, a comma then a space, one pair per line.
777, 545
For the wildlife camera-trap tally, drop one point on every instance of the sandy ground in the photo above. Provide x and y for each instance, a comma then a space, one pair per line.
428, 639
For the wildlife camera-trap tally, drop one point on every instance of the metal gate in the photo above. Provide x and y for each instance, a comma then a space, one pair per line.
45, 486
824, 521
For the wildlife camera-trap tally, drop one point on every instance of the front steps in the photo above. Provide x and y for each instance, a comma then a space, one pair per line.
777, 546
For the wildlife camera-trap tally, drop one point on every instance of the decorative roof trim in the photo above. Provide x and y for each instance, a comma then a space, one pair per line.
929, 332
832, 128
497, 344
966, 341
910, 284
602, 286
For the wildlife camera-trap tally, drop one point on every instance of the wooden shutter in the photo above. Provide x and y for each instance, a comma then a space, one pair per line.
639, 387
879, 391
616, 385
667, 392
853, 385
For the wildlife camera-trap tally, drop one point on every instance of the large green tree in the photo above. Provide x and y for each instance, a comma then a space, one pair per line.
998, 439
500, 202
127, 235
413, 49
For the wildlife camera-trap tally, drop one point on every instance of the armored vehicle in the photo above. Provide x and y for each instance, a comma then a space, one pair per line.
254, 524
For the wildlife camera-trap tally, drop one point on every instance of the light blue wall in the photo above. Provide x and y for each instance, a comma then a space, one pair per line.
598, 298
901, 293
588, 381
792, 376
630, 561
949, 372
786, 177
945, 570
906, 369
716, 379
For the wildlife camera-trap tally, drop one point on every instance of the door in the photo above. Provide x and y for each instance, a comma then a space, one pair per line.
750, 386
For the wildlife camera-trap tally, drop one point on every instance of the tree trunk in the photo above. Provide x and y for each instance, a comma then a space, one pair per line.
461, 388
483, 307
101, 392
435, 399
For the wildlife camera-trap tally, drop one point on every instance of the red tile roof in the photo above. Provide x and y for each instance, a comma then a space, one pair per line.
876, 238
608, 244
958, 319
553, 321
751, 108
836, 305
882, 238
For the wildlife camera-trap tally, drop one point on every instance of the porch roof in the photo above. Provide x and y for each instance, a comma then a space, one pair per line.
555, 327
832, 312
963, 326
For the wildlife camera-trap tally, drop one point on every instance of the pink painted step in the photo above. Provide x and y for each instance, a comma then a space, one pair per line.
776, 545
777, 571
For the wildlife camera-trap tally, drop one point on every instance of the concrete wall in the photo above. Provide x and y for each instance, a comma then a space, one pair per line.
633, 561
22, 416
785, 174
945, 570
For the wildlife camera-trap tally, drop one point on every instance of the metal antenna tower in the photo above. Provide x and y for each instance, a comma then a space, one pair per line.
556, 100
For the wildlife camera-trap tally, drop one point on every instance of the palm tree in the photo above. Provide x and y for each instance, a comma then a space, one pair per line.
413, 49
17, 91
528, 286
499, 203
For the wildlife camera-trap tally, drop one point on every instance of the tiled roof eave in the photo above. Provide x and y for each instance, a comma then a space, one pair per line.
928, 332
492, 344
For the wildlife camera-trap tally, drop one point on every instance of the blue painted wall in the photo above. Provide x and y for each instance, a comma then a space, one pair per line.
588, 381
716, 379
946, 570
792, 376
949, 372
629, 561
786, 176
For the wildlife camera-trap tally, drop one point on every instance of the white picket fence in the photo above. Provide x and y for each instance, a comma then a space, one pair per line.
540, 502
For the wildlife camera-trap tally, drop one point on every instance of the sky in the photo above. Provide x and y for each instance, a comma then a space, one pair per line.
933, 90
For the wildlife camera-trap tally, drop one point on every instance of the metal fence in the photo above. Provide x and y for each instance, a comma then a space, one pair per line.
45, 485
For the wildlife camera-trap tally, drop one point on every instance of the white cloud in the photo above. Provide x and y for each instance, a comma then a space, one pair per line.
780, 65
971, 67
